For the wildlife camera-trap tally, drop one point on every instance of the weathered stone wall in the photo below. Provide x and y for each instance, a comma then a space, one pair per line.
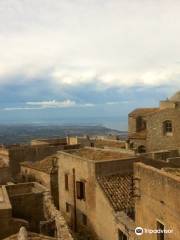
131, 124
30, 153
156, 140
159, 201
124, 166
8, 224
5, 175
84, 170
51, 212
27, 203
30, 174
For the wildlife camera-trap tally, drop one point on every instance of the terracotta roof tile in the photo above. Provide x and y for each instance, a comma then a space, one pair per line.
118, 190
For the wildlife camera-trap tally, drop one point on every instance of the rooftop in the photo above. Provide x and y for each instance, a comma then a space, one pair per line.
97, 154
109, 143
44, 165
118, 190
142, 112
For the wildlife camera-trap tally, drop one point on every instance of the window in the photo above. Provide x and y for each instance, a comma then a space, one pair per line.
140, 124
167, 128
122, 236
66, 182
68, 207
84, 219
141, 149
80, 190
160, 235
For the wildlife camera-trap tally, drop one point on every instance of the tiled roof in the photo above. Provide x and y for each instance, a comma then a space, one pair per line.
44, 165
118, 190
142, 112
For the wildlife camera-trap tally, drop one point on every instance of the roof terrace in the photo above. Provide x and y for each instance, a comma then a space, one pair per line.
100, 155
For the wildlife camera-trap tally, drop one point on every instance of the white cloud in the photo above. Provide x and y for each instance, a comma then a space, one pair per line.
53, 104
78, 42
49, 104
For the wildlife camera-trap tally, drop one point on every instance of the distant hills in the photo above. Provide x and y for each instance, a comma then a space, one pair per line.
24, 133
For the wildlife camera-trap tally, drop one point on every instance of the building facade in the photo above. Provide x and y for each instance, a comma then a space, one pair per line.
155, 129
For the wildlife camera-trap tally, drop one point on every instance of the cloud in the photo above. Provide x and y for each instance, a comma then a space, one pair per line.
49, 104
53, 104
106, 43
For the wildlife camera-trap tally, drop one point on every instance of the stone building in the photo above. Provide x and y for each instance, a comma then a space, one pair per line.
157, 204
44, 172
20, 205
30, 205
36, 151
155, 129
95, 191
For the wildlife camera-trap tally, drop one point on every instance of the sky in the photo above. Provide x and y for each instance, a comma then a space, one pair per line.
86, 61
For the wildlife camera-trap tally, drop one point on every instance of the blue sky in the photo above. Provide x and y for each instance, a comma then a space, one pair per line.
85, 61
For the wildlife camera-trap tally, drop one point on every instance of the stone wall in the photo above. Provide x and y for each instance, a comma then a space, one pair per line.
30, 174
159, 194
124, 166
51, 212
83, 171
131, 124
27, 204
156, 140
5, 175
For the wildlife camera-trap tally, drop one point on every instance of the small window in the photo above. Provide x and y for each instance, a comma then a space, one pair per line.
160, 235
141, 149
84, 219
80, 190
122, 236
66, 182
68, 207
167, 128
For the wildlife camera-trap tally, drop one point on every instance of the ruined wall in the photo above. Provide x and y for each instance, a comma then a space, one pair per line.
5, 175
51, 212
27, 204
156, 140
159, 201
30, 174
8, 224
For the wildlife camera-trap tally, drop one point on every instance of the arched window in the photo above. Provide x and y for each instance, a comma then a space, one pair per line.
167, 128
141, 149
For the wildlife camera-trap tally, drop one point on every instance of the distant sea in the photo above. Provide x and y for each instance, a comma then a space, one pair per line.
117, 123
